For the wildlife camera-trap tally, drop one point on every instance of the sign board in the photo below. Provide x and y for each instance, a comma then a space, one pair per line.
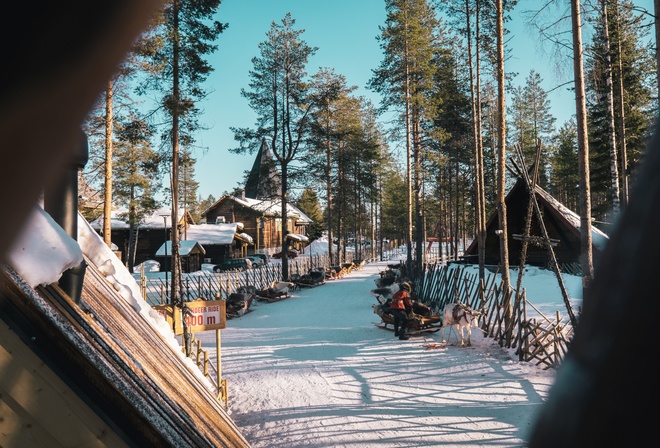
202, 315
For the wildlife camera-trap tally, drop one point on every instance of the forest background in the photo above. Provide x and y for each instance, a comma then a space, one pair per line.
431, 159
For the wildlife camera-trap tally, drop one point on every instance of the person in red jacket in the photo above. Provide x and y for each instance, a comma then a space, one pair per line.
401, 305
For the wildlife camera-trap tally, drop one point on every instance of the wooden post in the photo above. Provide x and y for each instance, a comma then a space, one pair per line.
222, 384
217, 347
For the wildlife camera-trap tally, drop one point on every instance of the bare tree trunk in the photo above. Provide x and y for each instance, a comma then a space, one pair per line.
501, 169
450, 224
480, 214
656, 11
583, 150
107, 200
379, 220
622, 110
417, 191
457, 211
285, 221
174, 181
340, 207
614, 169
373, 220
328, 187
408, 167
177, 296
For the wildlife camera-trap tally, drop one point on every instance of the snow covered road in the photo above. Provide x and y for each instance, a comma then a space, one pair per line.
314, 371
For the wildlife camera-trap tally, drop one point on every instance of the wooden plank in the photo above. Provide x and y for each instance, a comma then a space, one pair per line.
38, 408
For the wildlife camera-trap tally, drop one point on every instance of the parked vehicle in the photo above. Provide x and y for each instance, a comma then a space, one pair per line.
256, 261
264, 258
290, 254
233, 264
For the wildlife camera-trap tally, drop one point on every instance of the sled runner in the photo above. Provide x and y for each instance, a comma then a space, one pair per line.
410, 332
435, 345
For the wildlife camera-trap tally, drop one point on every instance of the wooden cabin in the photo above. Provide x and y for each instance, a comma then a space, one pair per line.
191, 254
220, 241
260, 218
562, 225
151, 232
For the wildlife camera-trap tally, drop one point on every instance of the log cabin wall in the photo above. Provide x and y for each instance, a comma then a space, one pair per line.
265, 231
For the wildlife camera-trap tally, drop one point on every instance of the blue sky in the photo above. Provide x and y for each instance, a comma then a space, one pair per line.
345, 32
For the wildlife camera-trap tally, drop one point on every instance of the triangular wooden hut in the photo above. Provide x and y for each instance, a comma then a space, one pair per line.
562, 225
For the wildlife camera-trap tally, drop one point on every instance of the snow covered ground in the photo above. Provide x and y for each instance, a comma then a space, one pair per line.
314, 370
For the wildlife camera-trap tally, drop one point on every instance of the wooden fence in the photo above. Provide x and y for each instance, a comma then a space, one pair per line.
534, 336
215, 286
537, 339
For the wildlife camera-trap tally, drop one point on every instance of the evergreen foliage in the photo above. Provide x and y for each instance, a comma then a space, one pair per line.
532, 122
279, 95
565, 179
638, 70
309, 204
135, 168
188, 186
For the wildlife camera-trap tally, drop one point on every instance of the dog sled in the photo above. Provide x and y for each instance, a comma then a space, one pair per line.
275, 291
420, 321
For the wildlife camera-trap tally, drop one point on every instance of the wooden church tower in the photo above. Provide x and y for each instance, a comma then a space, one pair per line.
263, 181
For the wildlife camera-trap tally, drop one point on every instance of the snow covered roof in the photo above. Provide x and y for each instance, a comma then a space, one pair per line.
598, 237
273, 207
159, 219
563, 224
217, 234
43, 251
114, 345
186, 247
245, 237
297, 237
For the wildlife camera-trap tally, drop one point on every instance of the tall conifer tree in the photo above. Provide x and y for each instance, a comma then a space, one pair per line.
173, 55
278, 94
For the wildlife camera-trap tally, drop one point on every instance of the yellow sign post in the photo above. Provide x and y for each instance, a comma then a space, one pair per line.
202, 315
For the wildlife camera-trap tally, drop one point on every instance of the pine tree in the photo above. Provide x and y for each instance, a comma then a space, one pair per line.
330, 92
173, 55
394, 215
309, 205
564, 183
279, 96
532, 121
188, 186
633, 70
135, 168
204, 204
404, 79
